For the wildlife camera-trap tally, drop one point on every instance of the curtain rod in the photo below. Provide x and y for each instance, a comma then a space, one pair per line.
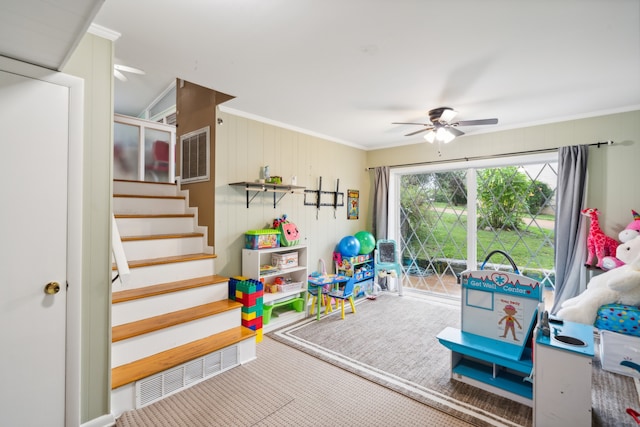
543, 150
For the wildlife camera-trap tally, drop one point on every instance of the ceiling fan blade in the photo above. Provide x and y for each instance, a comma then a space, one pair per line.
403, 123
128, 69
477, 122
119, 75
420, 131
455, 131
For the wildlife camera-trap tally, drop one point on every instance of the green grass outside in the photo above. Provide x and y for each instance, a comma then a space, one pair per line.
450, 234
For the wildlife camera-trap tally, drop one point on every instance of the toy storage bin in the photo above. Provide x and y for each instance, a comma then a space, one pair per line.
620, 353
624, 319
262, 239
288, 287
285, 260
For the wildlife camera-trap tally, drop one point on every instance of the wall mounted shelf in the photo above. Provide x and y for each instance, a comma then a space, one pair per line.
252, 189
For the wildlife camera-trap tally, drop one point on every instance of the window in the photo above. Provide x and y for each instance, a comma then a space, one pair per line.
449, 217
195, 156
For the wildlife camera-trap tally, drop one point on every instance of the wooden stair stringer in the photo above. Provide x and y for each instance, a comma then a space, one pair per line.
168, 359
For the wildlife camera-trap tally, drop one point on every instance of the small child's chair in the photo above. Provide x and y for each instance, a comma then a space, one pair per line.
312, 291
344, 294
386, 261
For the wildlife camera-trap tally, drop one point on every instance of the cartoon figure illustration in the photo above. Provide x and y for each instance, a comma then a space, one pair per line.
509, 322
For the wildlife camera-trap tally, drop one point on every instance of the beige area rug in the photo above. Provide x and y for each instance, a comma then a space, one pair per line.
392, 341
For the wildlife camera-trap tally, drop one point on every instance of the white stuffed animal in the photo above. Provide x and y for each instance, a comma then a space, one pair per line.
618, 286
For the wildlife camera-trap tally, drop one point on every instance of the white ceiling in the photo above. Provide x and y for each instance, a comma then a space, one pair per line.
44, 32
346, 69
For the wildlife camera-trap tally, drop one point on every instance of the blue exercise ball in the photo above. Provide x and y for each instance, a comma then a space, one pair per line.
349, 246
367, 242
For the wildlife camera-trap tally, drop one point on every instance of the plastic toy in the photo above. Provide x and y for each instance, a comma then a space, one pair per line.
618, 286
367, 242
349, 246
598, 243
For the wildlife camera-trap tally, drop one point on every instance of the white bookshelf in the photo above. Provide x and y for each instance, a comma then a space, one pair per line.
283, 314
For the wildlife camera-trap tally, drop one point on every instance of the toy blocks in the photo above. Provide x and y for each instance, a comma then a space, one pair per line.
250, 293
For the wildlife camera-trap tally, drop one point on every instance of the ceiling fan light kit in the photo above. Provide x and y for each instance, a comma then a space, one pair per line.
441, 128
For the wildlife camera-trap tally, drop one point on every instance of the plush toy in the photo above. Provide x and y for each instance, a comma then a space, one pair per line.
598, 244
618, 286
632, 230
289, 234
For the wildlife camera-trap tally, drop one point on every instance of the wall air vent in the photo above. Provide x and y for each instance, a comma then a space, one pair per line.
194, 157
163, 384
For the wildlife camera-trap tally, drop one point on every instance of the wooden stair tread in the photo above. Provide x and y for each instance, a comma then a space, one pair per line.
165, 288
144, 182
152, 324
146, 196
147, 366
167, 260
160, 236
153, 216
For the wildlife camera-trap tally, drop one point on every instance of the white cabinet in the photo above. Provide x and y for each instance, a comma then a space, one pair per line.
562, 376
288, 304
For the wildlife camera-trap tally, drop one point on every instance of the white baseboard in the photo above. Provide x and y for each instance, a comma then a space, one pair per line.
104, 421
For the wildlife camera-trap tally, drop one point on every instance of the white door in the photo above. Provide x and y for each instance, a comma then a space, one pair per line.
34, 130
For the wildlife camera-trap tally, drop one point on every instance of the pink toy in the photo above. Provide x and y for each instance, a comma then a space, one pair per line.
598, 243
632, 230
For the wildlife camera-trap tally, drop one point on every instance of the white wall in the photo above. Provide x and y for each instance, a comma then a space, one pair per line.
92, 61
243, 147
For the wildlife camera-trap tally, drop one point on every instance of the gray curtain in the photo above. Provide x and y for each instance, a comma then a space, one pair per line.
381, 202
570, 232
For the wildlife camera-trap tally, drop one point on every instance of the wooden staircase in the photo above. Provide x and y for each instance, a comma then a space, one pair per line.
172, 323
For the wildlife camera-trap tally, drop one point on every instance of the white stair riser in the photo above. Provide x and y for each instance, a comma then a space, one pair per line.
144, 189
148, 206
131, 311
158, 248
150, 226
164, 273
127, 351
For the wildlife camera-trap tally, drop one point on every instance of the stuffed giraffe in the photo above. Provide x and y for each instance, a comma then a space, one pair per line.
598, 243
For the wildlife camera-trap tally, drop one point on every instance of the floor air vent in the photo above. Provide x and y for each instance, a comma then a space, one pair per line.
156, 387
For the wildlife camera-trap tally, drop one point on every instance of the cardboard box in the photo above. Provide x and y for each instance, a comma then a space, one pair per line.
620, 353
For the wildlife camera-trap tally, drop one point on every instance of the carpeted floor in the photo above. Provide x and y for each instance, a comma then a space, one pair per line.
285, 387
391, 341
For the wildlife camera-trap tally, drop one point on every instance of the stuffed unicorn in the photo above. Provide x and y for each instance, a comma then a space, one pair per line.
632, 230
618, 286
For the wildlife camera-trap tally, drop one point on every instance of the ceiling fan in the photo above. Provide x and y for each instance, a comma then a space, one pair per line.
441, 128
118, 69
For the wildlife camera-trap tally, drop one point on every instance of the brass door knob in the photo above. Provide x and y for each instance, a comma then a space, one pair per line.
52, 288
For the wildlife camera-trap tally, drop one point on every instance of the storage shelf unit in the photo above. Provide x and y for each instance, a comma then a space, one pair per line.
490, 365
361, 268
258, 187
281, 306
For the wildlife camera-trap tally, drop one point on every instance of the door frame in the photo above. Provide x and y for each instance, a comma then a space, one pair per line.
74, 225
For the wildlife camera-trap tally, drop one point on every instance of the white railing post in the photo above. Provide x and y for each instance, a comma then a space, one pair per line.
118, 253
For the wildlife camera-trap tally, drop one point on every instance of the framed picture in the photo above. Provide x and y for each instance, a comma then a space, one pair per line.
353, 207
